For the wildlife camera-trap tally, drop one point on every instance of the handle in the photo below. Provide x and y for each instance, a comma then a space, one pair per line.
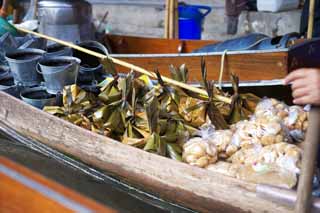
38, 68
67, 68
201, 7
303, 203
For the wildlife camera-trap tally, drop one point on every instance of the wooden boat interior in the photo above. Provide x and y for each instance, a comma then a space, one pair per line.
119, 44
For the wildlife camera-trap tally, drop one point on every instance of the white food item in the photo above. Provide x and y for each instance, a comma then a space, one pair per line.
199, 152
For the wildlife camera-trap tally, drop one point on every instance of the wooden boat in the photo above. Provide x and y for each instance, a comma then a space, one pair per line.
119, 44
152, 53
198, 189
23, 190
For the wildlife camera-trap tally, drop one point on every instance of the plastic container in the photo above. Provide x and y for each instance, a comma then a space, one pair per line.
277, 5
191, 18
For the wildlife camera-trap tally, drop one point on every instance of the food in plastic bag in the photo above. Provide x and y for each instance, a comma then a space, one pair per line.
285, 156
297, 122
222, 140
294, 118
272, 109
199, 152
253, 133
271, 175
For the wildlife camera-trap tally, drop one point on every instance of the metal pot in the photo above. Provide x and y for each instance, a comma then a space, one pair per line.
69, 20
90, 68
37, 97
59, 72
23, 64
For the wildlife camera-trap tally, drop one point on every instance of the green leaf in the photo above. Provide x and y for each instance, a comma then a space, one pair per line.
109, 66
174, 151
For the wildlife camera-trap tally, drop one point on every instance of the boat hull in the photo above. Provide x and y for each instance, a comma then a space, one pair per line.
196, 188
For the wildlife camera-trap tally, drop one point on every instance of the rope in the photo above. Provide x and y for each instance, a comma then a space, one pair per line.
223, 57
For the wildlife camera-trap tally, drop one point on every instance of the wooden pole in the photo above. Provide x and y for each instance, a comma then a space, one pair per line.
128, 65
171, 19
303, 203
166, 20
311, 19
176, 19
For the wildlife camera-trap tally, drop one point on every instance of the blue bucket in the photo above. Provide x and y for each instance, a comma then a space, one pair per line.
190, 20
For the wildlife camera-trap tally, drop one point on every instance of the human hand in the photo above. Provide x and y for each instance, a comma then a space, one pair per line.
305, 84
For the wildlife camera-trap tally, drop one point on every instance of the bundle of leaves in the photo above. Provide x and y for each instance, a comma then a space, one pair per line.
152, 115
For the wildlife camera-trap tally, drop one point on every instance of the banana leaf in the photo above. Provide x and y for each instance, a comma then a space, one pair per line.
213, 112
69, 94
54, 110
147, 82
174, 151
242, 106
152, 111
110, 92
133, 135
193, 111
108, 66
180, 74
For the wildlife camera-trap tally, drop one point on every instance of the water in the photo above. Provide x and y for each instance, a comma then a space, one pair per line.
55, 48
24, 56
7, 82
55, 63
105, 189
38, 95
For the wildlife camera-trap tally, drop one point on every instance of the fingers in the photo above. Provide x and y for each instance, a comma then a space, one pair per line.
303, 100
300, 92
297, 74
297, 84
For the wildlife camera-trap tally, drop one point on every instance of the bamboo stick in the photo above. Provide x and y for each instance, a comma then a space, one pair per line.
303, 203
171, 19
128, 65
311, 19
166, 20
176, 20
304, 198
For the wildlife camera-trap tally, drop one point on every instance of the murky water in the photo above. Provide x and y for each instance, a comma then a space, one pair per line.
100, 187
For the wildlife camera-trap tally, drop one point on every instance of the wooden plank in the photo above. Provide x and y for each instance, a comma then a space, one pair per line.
196, 188
249, 67
25, 191
140, 45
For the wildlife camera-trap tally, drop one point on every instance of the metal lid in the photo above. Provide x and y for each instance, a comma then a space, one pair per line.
62, 3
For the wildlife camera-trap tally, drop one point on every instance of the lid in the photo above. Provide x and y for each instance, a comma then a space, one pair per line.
62, 3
